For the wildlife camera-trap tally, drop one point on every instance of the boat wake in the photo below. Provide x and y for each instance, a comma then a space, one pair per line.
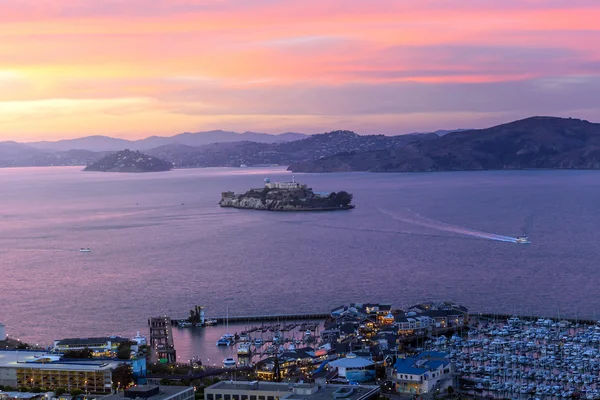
412, 217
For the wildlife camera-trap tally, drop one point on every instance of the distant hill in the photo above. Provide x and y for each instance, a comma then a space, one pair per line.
14, 154
129, 161
537, 142
105, 143
253, 153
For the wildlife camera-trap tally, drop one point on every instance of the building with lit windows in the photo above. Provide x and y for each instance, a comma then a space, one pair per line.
27, 369
100, 346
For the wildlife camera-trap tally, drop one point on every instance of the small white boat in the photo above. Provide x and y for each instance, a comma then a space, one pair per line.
184, 324
227, 339
229, 362
210, 322
85, 250
258, 342
523, 240
307, 332
243, 349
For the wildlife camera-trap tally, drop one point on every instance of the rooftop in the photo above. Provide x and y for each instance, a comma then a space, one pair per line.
91, 341
151, 392
423, 363
41, 360
352, 361
320, 393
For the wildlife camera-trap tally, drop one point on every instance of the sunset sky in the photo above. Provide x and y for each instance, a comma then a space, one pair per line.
135, 68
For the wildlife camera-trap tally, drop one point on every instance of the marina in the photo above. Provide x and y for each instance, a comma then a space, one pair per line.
521, 358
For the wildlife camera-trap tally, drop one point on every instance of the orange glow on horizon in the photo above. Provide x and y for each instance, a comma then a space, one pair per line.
133, 69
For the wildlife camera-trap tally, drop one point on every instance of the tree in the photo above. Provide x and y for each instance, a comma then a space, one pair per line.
76, 392
450, 390
60, 391
85, 353
124, 351
343, 198
122, 376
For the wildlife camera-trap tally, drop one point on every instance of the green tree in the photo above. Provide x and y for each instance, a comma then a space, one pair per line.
76, 392
60, 391
343, 198
124, 351
122, 376
85, 353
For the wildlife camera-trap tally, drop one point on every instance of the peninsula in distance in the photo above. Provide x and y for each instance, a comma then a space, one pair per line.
536, 142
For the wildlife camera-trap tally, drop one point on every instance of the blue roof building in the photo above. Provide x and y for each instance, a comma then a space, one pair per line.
424, 373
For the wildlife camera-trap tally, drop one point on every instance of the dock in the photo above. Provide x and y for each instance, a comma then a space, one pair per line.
266, 318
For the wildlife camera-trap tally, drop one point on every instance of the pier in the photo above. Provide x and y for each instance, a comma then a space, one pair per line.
266, 318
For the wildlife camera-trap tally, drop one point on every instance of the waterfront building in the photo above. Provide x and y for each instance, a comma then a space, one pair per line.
154, 392
424, 373
411, 323
100, 346
354, 368
444, 315
28, 369
233, 390
2, 332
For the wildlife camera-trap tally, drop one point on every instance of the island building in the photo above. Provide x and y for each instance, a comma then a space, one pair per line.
235, 390
154, 392
425, 373
284, 185
29, 369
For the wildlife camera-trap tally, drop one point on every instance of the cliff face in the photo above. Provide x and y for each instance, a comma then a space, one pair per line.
287, 200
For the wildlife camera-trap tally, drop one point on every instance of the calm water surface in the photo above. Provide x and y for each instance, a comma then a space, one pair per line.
160, 244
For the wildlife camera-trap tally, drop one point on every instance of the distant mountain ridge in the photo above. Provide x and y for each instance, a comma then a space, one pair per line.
536, 142
105, 143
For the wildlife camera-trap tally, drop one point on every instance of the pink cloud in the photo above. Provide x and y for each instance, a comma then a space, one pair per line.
303, 59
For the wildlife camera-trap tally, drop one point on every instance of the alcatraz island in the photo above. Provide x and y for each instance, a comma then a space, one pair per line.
287, 196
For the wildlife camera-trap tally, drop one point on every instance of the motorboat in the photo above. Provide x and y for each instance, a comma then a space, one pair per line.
229, 362
226, 340
85, 250
523, 240
243, 349
258, 342
244, 337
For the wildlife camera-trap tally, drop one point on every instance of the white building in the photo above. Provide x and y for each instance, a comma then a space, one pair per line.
283, 185
355, 369
423, 374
